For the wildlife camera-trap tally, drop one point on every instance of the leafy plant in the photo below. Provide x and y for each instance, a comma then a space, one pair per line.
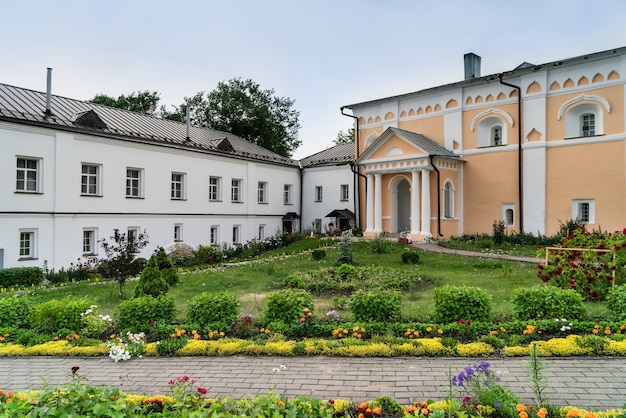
410, 257
120, 256
616, 303
499, 231
380, 244
462, 302
166, 267
20, 276
547, 302
287, 305
14, 311
51, 317
151, 282
345, 256
318, 254
376, 305
213, 309
141, 314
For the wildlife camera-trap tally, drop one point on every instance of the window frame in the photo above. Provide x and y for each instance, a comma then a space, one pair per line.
505, 208
591, 127
85, 183
134, 185
236, 234
486, 130
578, 205
319, 194
178, 232
25, 174
262, 192
215, 189
29, 236
574, 118
287, 194
448, 199
344, 192
261, 231
178, 186
90, 248
236, 189
214, 235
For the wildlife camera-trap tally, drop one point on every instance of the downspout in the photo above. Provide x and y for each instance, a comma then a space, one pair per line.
520, 169
356, 187
432, 156
301, 171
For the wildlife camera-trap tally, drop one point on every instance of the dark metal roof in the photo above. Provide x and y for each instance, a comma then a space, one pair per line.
337, 155
25, 106
524, 68
341, 213
428, 145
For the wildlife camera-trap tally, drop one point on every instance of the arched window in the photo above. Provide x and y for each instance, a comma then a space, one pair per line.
448, 200
508, 214
583, 120
491, 132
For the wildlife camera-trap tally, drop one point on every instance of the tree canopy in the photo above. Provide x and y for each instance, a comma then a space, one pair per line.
243, 108
344, 137
140, 101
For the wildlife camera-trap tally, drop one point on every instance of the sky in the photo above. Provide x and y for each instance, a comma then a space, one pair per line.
323, 54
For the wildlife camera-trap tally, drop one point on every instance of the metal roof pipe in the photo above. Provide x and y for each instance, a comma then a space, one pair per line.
48, 111
187, 118
357, 184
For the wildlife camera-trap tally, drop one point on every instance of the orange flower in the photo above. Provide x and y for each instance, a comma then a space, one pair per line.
409, 410
280, 403
573, 413
542, 413
423, 404
520, 408
607, 331
590, 415
429, 329
424, 411
595, 331
502, 329
440, 331
493, 332
523, 414
361, 416
362, 406
377, 411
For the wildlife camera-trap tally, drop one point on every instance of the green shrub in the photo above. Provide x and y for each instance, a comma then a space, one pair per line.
499, 231
205, 254
168, 347
50, 317
210, 309
410, 257
462, 302
318, 254
20, 277
541, 302
345, 256
375, 306
14, 311
346, 271
616, 303
166, 267
140, 314
380, 244
287, 305
151, 282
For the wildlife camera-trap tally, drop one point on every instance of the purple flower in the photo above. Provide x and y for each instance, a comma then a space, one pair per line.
496, 404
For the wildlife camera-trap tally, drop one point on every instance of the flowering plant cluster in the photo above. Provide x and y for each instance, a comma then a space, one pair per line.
94, 324
588, 262
183, 388
122, 348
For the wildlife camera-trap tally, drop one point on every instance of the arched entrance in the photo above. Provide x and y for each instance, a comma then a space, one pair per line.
403, 207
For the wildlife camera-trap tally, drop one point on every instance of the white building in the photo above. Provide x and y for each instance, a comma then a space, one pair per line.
74, 171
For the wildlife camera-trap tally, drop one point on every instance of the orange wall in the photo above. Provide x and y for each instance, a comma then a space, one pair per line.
431, 127
470, 139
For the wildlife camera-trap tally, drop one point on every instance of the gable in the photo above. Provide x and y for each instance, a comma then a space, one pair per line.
394, 147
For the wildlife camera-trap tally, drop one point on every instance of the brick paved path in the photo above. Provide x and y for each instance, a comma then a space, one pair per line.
585, 382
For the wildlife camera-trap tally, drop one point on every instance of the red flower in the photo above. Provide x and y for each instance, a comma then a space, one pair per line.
202, 391
331, 401
468, 322
75, 369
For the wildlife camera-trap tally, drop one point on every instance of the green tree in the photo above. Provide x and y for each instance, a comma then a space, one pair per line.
243, 108
166, 267
120, 262
345, 137
140, 101
151, 282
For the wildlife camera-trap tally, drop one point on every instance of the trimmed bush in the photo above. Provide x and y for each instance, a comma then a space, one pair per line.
346, 271
51, 317
20, 277
318, 254
211, 309
151, 282
541, 302
410, 257
462, 302
287, 305
375, 306
616, 303
166, 267
141, 314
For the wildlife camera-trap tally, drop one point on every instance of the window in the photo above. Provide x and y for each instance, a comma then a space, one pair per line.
261, 231
236, 229
214, 238
287, 194
214, 189
134, 182
496, 135
448, 200
89, 241
178, 232
491, 132
90, 180
262, 192
28, 177
588, 125
235, 190
508, 214
27, 244
318, 193
178, 186
344, 193
583, 210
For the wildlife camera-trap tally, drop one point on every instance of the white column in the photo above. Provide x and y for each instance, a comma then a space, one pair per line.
426, 202
369, 215
415, 203
378, 203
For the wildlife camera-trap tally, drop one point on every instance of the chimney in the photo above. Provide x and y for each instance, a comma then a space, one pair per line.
472, 65
188, 123
48, 111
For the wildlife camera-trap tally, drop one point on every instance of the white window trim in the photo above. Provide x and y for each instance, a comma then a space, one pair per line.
344, 197
574, 120
576, 209
178, 232
486, 129
239, 187
319, 194
98, 177
183, 186
261, 231
505, 207
217, 195
214, 235
93, 248
452, 193
236, 234
38, 174
262, 192
139, 180
287, 194
32, 255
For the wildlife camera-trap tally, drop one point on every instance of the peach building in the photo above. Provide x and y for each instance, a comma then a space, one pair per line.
534, 146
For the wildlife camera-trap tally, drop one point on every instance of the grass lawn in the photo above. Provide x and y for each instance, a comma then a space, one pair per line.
252, 281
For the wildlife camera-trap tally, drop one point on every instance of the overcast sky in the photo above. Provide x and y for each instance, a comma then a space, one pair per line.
322, 53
